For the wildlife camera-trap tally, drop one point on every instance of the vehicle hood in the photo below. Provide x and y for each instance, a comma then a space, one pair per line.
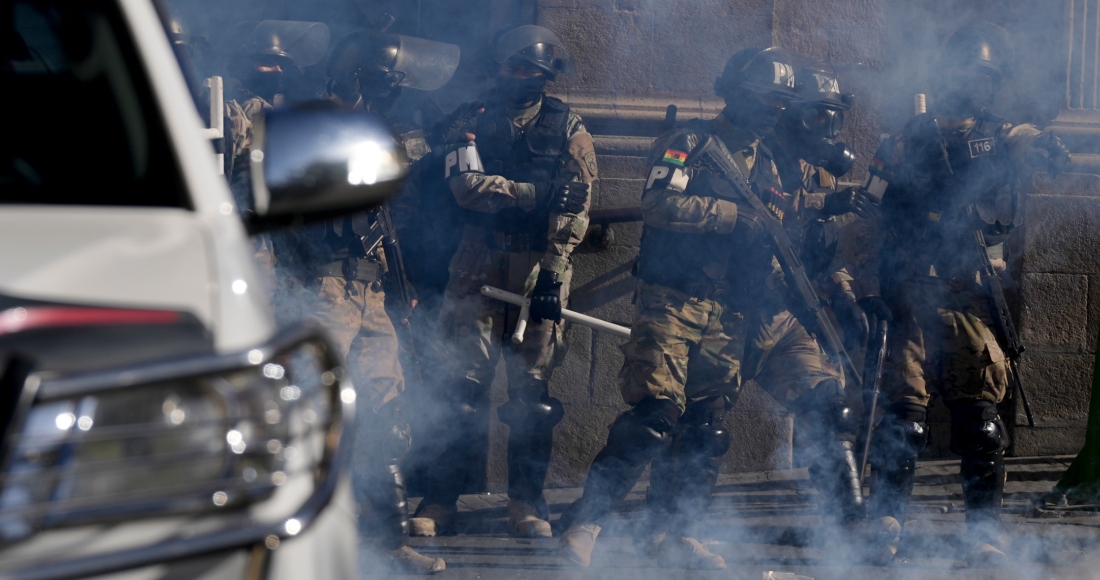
131, 257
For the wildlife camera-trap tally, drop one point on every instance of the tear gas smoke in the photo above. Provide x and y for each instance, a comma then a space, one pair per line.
632, 58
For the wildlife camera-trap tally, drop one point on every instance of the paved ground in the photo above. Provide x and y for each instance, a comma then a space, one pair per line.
766, 522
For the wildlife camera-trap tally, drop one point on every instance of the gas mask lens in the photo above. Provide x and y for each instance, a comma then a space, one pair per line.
823, 121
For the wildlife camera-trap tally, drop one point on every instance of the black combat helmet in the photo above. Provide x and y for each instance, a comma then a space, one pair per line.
302, 43
382, 62
814, 120
536, 46
274, 48
757, 85
979, 44
762, 71
971, 67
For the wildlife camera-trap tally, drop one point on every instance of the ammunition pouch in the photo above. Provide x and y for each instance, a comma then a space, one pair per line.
362, 269
714, 290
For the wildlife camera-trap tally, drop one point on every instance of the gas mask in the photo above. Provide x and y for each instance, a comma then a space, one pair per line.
811, 132
520, 91
965, 92
265, 84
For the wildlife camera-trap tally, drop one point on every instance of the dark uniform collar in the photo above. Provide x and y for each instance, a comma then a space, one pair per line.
733, 136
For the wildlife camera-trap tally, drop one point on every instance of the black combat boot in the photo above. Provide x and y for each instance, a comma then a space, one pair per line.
530, 414
386, 495
635, 439
980, 437
457, 438
898, 442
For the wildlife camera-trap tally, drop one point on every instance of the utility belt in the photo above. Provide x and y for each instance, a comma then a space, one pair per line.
362, 269
709, 290
509, 241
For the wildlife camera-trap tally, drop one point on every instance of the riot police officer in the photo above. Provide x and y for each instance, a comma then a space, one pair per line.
341, 269
524, 186
267, 51
945, 176
700, 275
780, 355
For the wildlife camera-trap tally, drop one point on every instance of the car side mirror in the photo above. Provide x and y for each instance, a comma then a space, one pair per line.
311, 164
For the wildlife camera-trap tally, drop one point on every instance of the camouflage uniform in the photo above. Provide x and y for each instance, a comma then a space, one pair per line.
941, 335
941, 332
780, 355
506, 242
699, 281
689, 335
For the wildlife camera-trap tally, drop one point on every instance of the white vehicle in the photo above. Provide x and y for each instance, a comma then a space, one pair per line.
155, 422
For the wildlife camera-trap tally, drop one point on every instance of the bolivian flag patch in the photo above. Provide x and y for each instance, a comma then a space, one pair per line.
675, 157
877, 164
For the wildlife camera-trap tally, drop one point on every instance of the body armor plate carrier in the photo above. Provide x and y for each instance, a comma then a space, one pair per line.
530, 154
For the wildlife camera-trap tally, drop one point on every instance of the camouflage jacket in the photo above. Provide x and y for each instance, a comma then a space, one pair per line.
928, 174
486, 193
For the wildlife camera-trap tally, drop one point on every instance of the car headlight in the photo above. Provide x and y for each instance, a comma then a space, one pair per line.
256, 434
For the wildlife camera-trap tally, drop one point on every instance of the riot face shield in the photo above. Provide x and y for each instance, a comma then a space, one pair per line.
426, 64
304, 43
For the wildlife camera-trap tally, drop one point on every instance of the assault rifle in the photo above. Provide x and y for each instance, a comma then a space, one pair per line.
998, 308
803, 301
991, 282
383, 233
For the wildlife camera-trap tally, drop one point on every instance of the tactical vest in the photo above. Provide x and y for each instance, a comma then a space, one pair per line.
530, 154
703, 264
927, 212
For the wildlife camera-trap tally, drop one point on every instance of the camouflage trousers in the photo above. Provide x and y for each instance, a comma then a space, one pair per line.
478, 330
686, 349
784, 359
354, 314
941, 339
681, 348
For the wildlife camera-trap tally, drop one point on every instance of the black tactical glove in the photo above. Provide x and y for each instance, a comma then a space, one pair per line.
561, 196
1049, 153
750, 225
852, 319
876, 307
453, 128
546, 299
851, 200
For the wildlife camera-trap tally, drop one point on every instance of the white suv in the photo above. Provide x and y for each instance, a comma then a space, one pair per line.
155, 421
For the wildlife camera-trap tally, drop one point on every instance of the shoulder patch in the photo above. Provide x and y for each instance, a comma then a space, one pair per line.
675, 157
590, 163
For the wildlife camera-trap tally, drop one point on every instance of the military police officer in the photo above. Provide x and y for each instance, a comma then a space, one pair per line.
524, 186
699, 275
339, 268
947, 175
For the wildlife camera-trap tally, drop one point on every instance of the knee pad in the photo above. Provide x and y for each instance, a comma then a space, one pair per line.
710, 440
977, 430
517, 413
903, 432
703, 429
396, 442
644, 431
826, 407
